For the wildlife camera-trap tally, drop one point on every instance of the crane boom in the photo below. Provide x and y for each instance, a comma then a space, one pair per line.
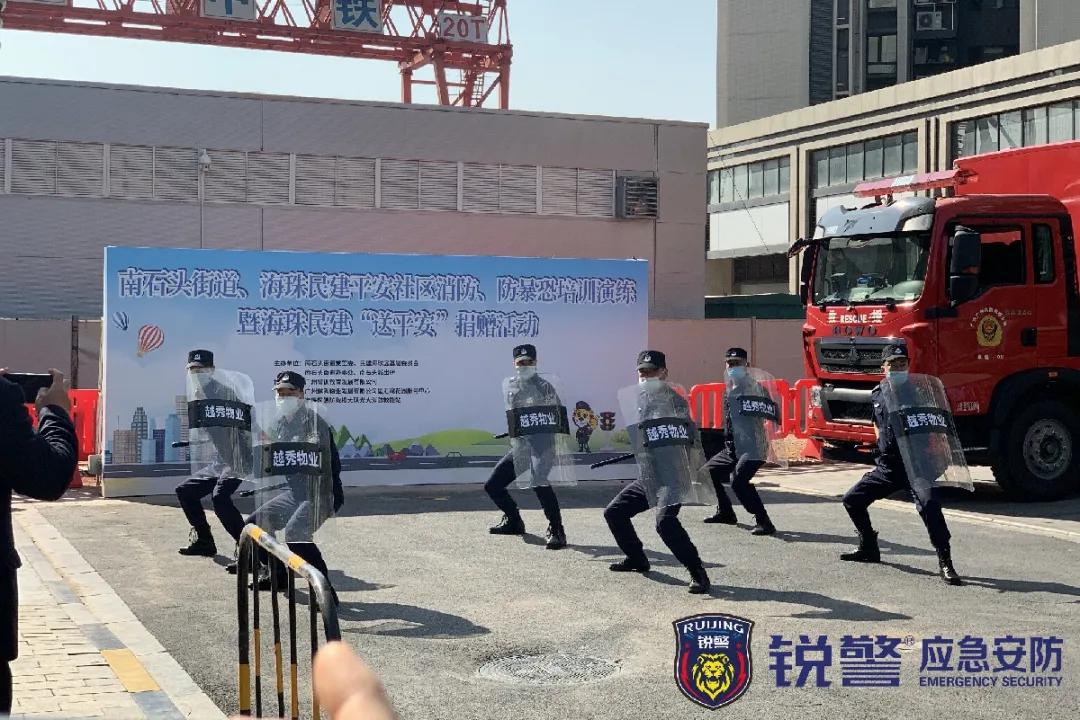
467, 44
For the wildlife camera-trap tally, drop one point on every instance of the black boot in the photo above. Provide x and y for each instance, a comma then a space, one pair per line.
640, 565
948, 572
867, 551
201, 543
509, 526
764, 526
231, 567
556, 537
724, 516
699, 581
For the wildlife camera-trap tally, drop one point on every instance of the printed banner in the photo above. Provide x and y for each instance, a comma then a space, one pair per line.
405, 353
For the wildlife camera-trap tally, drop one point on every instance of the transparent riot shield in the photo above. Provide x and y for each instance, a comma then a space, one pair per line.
219, 407
920, 418
666, 444
539, 430
294, 494
753, 405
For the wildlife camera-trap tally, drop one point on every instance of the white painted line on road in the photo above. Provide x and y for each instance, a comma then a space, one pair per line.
962, 515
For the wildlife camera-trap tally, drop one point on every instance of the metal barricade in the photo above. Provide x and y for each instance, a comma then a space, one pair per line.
320, 601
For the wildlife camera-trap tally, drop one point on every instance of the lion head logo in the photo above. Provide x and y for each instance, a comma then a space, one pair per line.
713, 674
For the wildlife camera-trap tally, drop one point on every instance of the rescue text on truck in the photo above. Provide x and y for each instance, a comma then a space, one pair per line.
980, 282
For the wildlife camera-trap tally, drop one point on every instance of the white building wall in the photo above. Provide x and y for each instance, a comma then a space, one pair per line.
526, 184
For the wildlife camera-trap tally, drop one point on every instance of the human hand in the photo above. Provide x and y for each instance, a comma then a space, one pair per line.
347, 688
56, 394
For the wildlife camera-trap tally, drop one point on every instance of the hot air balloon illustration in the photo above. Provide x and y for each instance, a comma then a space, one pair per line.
120, 320
150, 338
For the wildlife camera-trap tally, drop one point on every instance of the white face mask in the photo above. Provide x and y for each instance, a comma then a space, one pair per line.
651, 381
288, 404
525, 371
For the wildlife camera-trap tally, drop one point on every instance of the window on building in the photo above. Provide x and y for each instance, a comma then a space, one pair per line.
1017, 128
772, 177
1011, 128
713, 193
855, 162
986, 134
740, 183
881, 157
842, 70
893, 155
1060, 122
757, 181
820, 162
843, 12
753, 181
880, 61
759, 269
1035, 126
1043, 254
911, 152
837, 165
873, 158
727, 185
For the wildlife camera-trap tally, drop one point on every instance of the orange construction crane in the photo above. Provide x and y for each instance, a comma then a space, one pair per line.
467, 44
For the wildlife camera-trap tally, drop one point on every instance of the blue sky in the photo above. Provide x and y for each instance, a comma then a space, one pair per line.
638, 58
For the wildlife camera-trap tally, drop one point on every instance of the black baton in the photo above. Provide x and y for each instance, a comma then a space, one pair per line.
611, 461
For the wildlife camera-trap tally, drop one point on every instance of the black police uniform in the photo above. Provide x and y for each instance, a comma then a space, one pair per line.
38, 465
729, 465
889, 476
504, 474
298, 509
634, 500
220, 489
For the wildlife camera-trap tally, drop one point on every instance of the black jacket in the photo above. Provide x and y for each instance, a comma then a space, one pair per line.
39, 465
889, 460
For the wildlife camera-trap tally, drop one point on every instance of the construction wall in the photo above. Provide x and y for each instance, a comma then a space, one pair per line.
695, 348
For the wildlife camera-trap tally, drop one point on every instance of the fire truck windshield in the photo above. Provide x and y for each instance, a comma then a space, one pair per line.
877, 270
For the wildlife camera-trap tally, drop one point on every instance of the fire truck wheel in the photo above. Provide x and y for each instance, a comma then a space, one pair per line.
1040, 459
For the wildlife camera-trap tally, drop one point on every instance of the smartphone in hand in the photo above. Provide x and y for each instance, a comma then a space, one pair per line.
30, 383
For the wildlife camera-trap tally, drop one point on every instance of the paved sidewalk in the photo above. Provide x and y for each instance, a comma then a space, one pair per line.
82, 652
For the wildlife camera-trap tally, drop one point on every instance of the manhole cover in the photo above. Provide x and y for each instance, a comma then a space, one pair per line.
554, 669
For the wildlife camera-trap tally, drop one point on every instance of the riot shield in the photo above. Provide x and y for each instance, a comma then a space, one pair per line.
539, 431
219, 406
753, 406
666, 444
922, 423
294, 494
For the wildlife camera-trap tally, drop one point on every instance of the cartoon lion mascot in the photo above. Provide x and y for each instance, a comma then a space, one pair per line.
713, 674
586, 421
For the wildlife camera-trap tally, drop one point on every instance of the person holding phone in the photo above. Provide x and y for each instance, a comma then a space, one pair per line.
35, 464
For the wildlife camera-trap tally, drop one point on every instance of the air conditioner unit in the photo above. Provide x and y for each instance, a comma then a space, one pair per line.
928, 20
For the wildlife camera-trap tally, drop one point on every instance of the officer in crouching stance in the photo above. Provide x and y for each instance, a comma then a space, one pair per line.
220, 489
634, 498
728, 464
890, 475
504, 473
301, 507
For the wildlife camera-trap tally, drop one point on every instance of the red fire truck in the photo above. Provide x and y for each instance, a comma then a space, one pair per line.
980, 282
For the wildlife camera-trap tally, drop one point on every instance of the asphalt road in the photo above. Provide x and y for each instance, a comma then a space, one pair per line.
428, 597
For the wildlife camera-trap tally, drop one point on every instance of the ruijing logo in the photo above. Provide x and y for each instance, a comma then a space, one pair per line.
712, 658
